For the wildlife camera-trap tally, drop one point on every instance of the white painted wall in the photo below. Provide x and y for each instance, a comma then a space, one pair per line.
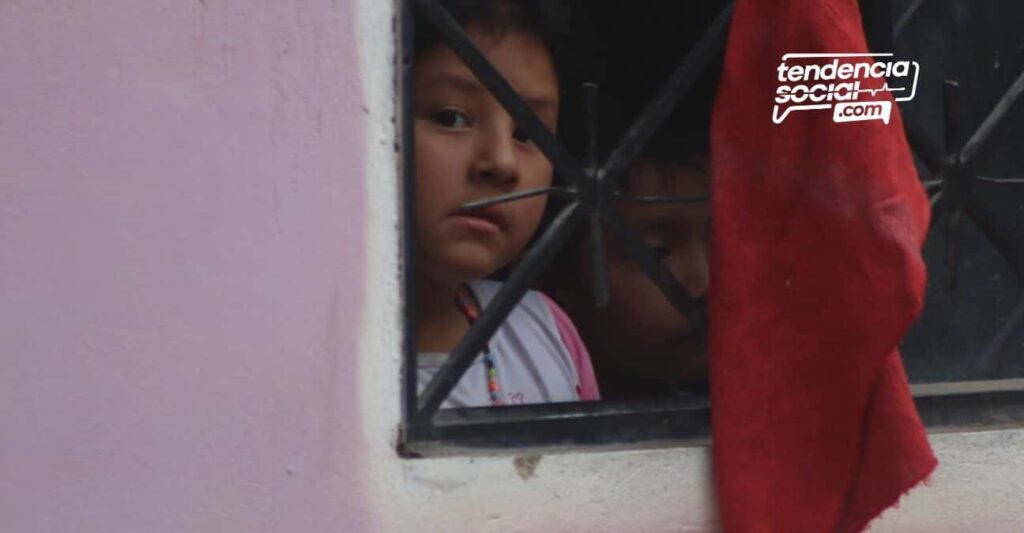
979, 485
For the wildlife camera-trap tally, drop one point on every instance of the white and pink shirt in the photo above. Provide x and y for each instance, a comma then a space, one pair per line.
537, 352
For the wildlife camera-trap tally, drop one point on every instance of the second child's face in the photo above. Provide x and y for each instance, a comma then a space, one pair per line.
469, 148
640, 343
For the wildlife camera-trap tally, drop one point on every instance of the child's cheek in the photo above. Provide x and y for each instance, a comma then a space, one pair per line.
528, 215
537, 170
641, 308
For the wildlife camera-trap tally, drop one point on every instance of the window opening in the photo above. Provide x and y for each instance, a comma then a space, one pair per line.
971, 243
590, 193
963, 384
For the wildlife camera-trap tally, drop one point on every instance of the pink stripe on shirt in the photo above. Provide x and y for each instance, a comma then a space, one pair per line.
588, 388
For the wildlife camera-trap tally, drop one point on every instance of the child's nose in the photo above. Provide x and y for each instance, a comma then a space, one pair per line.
496, 162
692, 271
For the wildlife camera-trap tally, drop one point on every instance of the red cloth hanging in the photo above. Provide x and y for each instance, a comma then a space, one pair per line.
817, 274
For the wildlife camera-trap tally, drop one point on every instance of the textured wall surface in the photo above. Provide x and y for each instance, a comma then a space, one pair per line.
199, 298
179, 266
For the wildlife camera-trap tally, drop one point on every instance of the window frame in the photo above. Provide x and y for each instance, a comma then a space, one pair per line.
429, 431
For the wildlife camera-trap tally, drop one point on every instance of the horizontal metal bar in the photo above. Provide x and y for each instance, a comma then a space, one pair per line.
949, 388
671, 421
672, 91
964, 411
561, 412
679, 199
553, 426
1001, 181
992, 121
522, 277
524, 116
511, 197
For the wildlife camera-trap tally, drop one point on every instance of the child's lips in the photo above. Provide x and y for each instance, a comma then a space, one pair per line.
491, 215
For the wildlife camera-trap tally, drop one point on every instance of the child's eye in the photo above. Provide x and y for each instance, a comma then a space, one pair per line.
450, 118
520, 136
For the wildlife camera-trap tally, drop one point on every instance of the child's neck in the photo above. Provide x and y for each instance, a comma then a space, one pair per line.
439, 323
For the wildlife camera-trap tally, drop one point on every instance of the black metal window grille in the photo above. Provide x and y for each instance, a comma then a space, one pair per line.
429, 430
949, 177
590, 191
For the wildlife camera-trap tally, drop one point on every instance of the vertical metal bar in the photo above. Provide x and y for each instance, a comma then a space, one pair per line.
925, 150
939, 208
598, 267
956, 179
408, 241
596, 194
590, 124
955, 183
953, 246
951, 99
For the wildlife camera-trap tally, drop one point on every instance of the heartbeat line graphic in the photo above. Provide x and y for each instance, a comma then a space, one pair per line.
884, 88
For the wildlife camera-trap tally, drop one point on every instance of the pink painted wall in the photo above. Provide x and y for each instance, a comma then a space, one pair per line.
180, 266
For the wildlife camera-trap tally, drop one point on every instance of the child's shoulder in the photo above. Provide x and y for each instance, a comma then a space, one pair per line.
541, 327
534, 311
486, 290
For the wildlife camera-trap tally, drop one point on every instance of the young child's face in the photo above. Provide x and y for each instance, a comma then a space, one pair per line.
469, 148
640, 340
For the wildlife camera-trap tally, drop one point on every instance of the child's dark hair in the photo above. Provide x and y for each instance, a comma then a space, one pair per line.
545, 19
629, 67
551, 21
637, 63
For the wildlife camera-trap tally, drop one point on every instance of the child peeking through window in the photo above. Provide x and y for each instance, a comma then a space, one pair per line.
642, 346
468, 148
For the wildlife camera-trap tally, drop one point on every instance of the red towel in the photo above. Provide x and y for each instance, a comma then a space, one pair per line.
817, 274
